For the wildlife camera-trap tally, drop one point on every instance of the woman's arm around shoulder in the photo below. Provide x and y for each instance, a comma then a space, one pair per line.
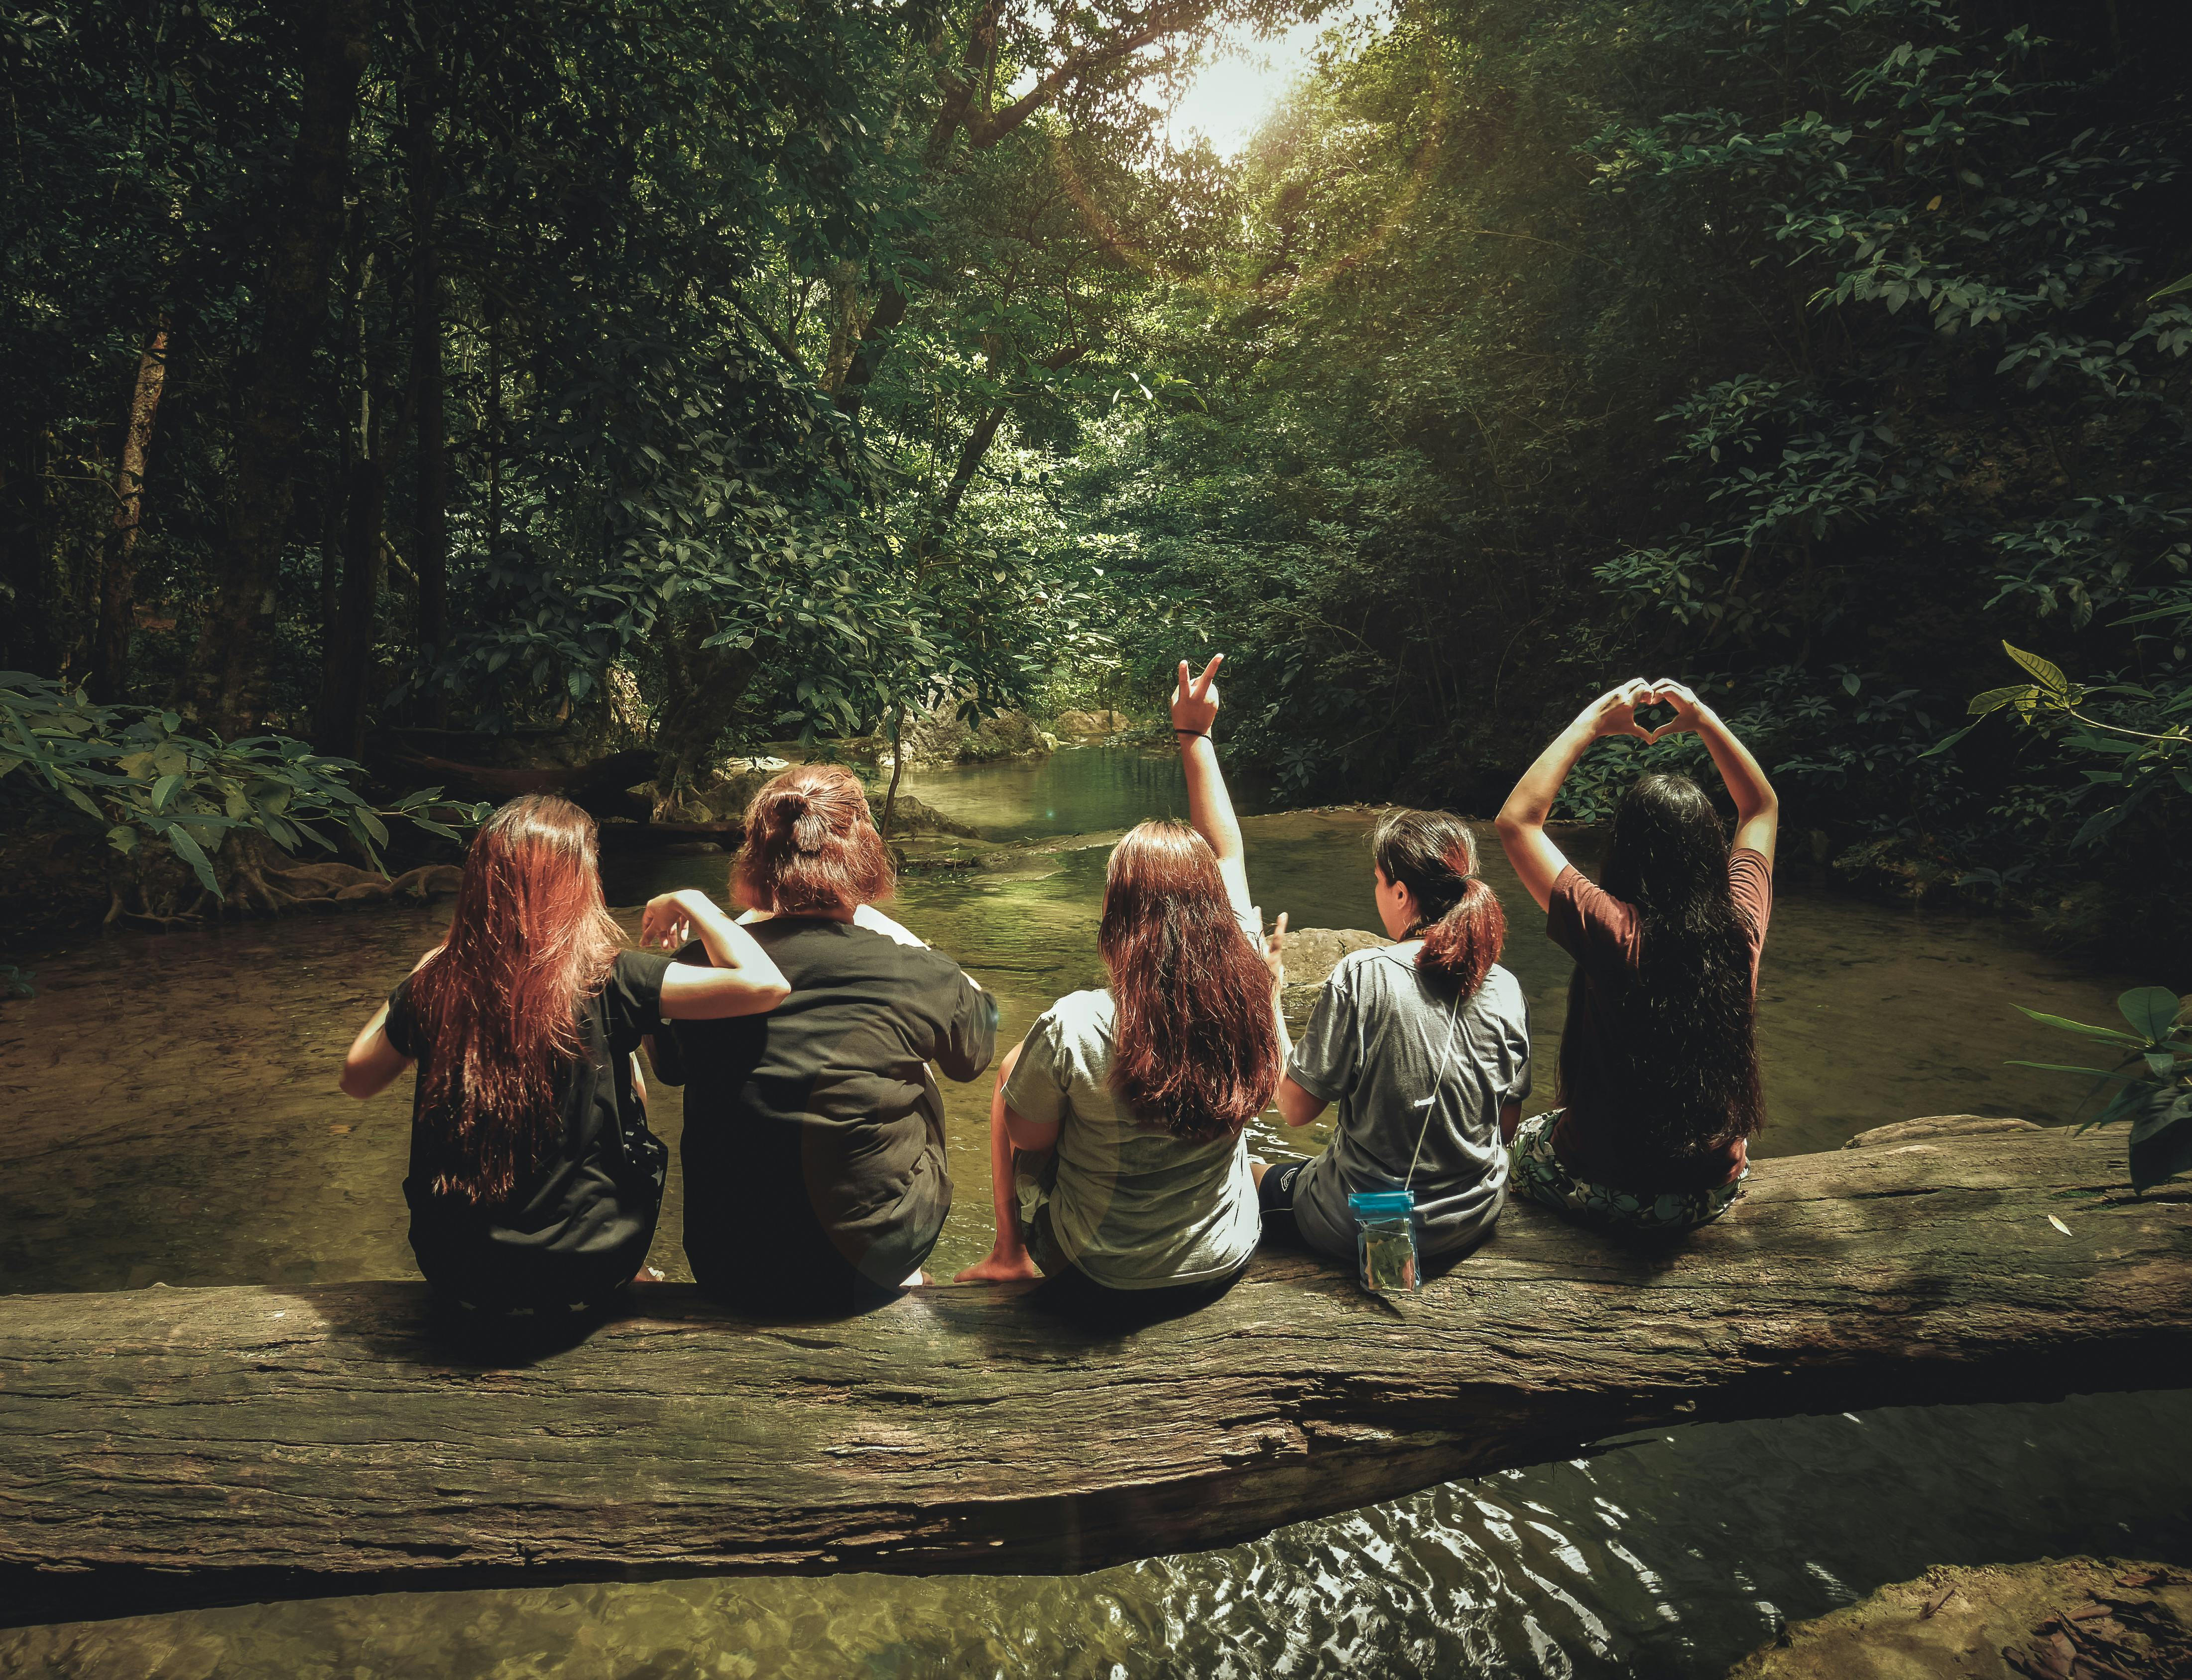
741, 978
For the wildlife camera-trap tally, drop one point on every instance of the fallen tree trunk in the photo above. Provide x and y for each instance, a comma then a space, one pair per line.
170, 1446
600, 787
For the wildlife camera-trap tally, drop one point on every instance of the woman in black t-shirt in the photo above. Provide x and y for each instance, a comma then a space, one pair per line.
1659, 1080
814, 1148
534, 1180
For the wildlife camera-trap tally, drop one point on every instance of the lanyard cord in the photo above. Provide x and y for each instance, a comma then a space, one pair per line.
1429, 1104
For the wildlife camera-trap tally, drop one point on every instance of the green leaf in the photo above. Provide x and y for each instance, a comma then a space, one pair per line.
1994, 700
2050, 674
2151, 1011
192, 853
1947, 741
2161, 1146
166, 786
2102, 1074
2114, 1035
123, 837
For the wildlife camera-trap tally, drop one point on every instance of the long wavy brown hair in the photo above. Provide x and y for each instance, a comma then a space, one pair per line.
811, 845
1458, 918
498, 1004
1196, 1028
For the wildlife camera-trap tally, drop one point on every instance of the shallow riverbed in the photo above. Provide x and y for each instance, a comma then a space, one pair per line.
173, 1117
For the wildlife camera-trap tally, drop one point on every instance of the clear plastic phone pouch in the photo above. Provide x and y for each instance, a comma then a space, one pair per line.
1385, 1241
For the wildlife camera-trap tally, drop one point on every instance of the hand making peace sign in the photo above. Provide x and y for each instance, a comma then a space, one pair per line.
1194, 701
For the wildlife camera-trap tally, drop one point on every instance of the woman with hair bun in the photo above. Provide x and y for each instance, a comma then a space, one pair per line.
814, 1149
1424, 1044
1117, 1160
534, 1180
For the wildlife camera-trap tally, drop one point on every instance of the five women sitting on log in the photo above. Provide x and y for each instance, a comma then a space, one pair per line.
815, 1154
1658, 1063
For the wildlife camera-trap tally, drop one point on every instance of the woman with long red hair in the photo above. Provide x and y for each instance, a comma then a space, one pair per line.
534, 1180
815, 1178
1140, 1094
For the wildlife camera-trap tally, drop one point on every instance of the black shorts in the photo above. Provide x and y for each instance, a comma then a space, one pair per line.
1276, 1194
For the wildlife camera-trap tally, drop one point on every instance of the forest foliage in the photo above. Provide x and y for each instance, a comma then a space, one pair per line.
724, 370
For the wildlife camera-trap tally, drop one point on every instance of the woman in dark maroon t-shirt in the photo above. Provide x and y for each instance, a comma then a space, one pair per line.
1658, 1062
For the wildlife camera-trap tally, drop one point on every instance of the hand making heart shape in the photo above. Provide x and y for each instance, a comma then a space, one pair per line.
1615, 712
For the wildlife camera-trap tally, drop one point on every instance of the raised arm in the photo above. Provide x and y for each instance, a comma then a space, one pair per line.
1757, 810
1536, 858
1209, 807
741, 979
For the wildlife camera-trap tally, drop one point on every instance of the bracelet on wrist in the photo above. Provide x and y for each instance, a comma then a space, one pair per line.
1200, 735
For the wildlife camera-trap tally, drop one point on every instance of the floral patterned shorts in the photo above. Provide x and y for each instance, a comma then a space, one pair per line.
1537, 1173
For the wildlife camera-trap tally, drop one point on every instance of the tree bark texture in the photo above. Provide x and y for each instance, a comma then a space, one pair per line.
232, 667
117, 571
194, 1445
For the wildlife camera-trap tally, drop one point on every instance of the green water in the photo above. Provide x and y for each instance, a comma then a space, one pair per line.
173, 1116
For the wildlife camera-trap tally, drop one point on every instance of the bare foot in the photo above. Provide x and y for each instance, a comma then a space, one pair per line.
1001, 1269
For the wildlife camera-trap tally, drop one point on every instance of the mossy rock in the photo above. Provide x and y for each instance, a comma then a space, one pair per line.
2059, 1619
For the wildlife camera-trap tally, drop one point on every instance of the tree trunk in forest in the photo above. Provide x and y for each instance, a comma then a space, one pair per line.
898, 767
961, 1429
430, 553
339, 718
494, 434
232, 666
985, 433
341, 715
874, 340
599, 786
702, 688
117, 571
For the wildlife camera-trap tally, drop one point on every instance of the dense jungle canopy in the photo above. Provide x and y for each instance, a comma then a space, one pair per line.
698, 374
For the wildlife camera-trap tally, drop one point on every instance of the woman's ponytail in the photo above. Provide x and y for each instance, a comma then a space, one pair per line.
1463, 927
1464, 943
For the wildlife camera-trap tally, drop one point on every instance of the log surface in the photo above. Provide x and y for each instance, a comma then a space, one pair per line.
172, 1446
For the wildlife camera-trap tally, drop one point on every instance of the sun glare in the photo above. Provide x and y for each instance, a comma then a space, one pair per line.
1245, 76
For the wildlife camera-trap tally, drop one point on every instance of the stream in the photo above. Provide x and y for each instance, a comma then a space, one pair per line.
174, 1118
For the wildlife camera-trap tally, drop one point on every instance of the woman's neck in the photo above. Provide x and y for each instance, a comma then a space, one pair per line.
836, 912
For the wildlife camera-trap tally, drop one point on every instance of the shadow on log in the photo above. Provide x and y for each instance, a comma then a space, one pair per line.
166, 1447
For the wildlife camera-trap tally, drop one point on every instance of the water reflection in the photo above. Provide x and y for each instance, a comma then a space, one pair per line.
1670, 1557
174, 1116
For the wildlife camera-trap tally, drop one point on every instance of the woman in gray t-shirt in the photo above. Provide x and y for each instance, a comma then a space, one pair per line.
1119, 1168
1424, 1044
